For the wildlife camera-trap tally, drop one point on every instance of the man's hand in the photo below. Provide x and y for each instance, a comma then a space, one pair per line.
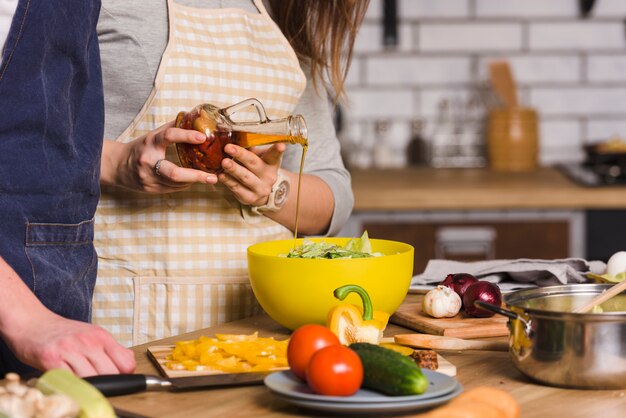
49, 341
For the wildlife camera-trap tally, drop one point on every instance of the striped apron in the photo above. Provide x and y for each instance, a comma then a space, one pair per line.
174, 263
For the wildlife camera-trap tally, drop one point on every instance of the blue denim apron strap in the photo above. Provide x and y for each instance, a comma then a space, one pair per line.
52, 115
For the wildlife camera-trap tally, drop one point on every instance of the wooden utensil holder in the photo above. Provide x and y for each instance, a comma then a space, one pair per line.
513, 139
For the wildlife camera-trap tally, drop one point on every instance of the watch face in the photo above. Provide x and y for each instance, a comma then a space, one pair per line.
281, 193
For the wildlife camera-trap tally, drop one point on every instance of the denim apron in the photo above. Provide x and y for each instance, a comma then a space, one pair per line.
51, 128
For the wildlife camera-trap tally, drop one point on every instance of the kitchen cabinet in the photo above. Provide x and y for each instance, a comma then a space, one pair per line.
478, 235
473, 241
477, 214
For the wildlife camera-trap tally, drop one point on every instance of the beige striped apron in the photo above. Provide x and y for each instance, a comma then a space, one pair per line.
174, 263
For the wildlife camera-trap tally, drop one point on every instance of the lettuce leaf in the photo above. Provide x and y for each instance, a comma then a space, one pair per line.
354, 248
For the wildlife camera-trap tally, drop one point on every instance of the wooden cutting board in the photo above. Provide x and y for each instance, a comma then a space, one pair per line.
444, 366
410, 315
158, 355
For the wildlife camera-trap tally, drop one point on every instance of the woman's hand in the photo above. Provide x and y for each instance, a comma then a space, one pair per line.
133, 165
252, 176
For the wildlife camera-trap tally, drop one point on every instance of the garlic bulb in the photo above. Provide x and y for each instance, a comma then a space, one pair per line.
441, 302
616, 264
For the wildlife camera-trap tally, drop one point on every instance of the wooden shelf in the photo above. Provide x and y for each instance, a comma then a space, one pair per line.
415, 189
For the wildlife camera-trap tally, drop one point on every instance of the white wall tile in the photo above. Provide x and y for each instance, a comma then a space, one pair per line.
601, 129
470, 36
609, 8
560, 133
375, 10
559, 155
386, 103
527, 8
385, 70
606, 68
560, 142
420, 9
370, 38
538, 68
583, 101
577, 35
355, 72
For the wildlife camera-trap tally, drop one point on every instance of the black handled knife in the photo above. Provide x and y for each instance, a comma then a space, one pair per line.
125, 384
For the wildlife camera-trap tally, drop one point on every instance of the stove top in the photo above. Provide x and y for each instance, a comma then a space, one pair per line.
594, 176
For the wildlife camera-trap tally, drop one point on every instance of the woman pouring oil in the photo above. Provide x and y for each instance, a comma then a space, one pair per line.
174, 259
220, 130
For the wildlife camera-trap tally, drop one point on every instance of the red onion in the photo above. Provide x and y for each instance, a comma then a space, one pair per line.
483, 291
459, 282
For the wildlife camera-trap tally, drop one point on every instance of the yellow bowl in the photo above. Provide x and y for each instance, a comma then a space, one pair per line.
296, 291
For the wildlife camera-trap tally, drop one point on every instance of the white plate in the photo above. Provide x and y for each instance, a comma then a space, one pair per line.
345, 408
286, 384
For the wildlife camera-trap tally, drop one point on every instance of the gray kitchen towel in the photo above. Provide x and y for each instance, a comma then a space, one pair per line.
511, 274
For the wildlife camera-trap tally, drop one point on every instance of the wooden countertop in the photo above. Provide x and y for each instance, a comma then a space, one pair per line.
474, 368
415, 189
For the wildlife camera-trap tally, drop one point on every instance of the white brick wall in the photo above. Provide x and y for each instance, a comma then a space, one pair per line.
527, 8
577, 36
416, 70
535, 69
579, 101
572, 69
606, 68
469, 37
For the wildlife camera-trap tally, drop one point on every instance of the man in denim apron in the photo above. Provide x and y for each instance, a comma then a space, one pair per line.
51, 127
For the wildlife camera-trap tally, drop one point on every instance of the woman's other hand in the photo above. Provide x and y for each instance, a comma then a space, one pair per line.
252, 176
133, 165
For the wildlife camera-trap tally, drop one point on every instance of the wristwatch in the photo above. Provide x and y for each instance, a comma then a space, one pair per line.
278, 195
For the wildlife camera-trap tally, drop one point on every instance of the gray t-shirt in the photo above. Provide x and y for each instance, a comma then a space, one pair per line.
133, 36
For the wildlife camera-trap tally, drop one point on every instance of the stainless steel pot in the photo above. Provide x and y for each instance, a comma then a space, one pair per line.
552, 345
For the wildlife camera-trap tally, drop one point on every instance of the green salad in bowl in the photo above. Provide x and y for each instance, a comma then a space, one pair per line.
354, 248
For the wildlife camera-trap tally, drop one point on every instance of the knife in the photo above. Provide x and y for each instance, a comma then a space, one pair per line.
126, 384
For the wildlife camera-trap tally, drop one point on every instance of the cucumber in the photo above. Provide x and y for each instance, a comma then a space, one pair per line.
389, 372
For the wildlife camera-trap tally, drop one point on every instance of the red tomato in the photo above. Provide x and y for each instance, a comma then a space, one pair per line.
335, 371
304, 342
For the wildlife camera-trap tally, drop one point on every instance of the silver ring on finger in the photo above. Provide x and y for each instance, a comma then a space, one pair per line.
157, 166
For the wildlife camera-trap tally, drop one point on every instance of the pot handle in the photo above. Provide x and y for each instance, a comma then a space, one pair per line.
510, 314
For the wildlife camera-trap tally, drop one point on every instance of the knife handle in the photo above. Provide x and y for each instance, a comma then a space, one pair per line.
119, 384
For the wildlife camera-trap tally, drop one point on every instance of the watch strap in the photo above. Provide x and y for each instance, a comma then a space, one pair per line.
277, 197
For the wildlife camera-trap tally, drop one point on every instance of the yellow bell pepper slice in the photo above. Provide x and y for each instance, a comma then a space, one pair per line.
351, 323
229, 353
